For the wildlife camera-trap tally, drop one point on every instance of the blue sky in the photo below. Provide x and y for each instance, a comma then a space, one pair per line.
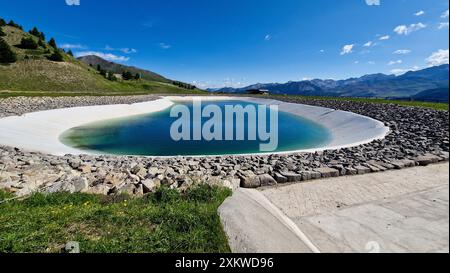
240, 42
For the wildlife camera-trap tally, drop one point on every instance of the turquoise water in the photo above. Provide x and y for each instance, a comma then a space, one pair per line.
149, 135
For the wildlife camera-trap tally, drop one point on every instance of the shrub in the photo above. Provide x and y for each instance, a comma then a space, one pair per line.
2, 34
28, 43
6, 54
127, 75
56, 56
111, 76
70, 53
137, 76
2, 22
103, 73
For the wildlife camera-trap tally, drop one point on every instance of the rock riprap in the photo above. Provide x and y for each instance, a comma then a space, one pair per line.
418, 137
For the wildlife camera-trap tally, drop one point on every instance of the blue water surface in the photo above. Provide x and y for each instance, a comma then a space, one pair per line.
149, 135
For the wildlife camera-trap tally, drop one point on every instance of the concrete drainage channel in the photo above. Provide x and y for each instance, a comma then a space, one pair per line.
395, 211
255, 225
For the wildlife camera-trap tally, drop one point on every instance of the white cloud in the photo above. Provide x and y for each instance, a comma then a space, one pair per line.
444, 14
347, 49
373, 2
395, 62
368, 44
123, 50
371, 62
419, 13
438, 58
402, 51
322, 51
164, 46
268, 37
400, 71
128, 50
386, 37
356, 62
443, 25
106, 56
73, 46
406, 30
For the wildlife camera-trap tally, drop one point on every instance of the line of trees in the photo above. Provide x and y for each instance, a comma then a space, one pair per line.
184, 85
127, 75
11, 23
34, 31
8, 56
109, 75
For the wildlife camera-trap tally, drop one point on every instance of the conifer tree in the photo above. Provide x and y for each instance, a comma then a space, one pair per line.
6, 54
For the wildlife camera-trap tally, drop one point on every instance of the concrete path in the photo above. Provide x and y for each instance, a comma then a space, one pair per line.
395, 211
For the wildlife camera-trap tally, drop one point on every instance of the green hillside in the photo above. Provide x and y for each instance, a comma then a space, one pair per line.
93, 61
33, 73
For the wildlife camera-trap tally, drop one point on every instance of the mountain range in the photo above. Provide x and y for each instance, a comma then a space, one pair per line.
428, 84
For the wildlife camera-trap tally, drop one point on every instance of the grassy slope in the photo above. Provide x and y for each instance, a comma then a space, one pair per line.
165, 222
38, 76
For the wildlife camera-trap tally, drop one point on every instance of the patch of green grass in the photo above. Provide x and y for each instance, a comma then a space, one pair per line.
432, 105
163, 222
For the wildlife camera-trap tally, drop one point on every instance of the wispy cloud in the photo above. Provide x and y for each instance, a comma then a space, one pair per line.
386, 37
106, 56
419, 13
268, 37
368, 44
373, 2
443, 25
444, 14
402, 51
164, 46
347, 49
406, 30
438, 58
125, 50
400, 71
128, 50
395, 62
73, 46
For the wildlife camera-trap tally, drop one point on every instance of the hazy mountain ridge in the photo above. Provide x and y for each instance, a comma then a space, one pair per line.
373, 85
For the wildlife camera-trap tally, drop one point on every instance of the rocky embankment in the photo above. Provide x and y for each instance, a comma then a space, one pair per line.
418, 137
